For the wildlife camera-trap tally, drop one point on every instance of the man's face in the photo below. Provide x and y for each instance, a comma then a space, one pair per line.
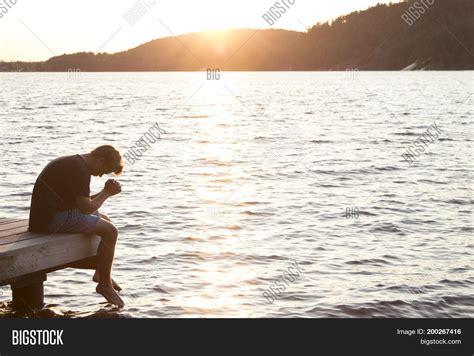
100, 168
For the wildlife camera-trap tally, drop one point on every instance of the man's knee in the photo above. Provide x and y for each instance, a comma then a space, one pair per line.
107, 230
112, 233
105, 217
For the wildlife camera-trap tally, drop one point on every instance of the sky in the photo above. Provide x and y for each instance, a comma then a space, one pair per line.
32, 30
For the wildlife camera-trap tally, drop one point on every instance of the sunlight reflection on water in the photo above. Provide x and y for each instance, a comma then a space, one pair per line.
256, 171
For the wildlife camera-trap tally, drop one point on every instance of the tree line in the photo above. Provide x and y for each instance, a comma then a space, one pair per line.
383, 37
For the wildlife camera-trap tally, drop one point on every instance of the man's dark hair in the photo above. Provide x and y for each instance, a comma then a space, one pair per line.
112, 158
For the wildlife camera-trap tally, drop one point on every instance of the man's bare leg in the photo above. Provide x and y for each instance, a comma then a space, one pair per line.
91, 263
96, 276
105, 217
105, 259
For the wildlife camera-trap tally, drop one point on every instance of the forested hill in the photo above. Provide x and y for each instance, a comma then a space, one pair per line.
375, 39
378, 38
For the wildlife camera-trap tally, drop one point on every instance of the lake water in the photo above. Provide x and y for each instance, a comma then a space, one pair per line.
257, 171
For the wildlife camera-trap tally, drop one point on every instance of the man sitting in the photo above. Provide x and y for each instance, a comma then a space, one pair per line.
61, 202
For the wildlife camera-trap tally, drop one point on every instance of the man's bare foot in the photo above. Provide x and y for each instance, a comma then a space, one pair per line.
96, 279
108, 293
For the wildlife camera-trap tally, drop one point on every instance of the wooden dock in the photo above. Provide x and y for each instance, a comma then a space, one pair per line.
26, 258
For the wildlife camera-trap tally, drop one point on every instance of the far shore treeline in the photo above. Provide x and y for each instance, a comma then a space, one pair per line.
383, 37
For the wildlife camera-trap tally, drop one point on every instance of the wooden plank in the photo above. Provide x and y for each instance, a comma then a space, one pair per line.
14, 231
5, 227
30, 243
15, 222
22, 236
6, 221
45, 252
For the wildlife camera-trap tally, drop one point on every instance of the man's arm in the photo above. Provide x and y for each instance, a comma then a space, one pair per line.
89, 205
96, 195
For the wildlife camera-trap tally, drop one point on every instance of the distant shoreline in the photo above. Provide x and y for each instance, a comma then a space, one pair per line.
377, 39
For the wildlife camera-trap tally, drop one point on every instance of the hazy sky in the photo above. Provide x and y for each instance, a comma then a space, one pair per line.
30, 27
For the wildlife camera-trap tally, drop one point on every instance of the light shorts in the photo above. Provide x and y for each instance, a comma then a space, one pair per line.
73, 221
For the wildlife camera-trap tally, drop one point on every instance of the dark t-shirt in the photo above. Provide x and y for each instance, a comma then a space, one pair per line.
56, 189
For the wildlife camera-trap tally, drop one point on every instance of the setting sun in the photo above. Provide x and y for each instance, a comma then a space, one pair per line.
109, 28
271, 159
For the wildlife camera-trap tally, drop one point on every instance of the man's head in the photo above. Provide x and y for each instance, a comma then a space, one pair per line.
105, 160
